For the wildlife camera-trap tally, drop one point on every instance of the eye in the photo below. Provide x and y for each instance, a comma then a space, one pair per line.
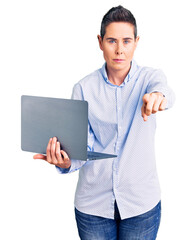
112, 41
127, 41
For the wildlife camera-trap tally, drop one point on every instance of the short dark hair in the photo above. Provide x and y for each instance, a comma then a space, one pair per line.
117, 14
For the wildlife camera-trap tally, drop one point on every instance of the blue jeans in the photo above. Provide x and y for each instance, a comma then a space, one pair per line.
142, 227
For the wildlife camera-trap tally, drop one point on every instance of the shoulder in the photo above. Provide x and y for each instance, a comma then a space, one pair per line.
87, 84
90, 79
148, 73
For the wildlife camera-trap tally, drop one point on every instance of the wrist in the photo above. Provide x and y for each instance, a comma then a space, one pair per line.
65, 166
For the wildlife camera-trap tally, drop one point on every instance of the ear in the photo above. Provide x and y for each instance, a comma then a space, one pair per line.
100, 42
136, 41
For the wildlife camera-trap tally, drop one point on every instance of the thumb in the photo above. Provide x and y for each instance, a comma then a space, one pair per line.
146, 97
39, 156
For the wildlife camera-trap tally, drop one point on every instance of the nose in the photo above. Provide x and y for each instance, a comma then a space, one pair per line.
119, 48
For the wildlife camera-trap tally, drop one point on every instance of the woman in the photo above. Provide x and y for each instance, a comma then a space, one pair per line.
118, 198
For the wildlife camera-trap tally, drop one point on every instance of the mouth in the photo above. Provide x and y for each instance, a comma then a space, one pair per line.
118, 60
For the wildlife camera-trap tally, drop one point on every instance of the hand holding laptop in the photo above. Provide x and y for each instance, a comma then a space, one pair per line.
54, 155
67, 119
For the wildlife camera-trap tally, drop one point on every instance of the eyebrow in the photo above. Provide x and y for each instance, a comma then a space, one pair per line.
127, 38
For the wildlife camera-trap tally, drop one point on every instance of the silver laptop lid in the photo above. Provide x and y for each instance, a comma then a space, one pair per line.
43, 118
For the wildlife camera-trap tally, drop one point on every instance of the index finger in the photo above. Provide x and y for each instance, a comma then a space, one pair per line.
143, 110
48, 149
149, 105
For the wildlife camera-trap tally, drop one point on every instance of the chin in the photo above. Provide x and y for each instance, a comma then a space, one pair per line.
119, 67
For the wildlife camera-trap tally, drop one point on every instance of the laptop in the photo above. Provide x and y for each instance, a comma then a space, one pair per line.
43, 118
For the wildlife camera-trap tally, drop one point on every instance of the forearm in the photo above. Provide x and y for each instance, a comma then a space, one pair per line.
158, 83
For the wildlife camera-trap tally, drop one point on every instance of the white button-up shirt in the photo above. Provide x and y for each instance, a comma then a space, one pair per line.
117, 127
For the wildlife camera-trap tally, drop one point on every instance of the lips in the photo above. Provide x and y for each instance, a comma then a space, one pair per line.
118, 60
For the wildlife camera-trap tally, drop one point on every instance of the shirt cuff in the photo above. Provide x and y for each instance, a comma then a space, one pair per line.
75, 165
63, 170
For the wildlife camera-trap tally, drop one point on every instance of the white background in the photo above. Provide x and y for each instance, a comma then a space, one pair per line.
46, 47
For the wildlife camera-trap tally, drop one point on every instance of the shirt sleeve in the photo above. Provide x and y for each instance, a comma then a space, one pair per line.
158, 83
77, 164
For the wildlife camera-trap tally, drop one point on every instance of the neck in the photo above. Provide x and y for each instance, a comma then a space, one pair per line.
117, 77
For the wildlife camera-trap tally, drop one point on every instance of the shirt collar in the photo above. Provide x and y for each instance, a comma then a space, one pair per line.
128, 77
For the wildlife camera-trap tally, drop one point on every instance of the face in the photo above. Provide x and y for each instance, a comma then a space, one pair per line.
118, 45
